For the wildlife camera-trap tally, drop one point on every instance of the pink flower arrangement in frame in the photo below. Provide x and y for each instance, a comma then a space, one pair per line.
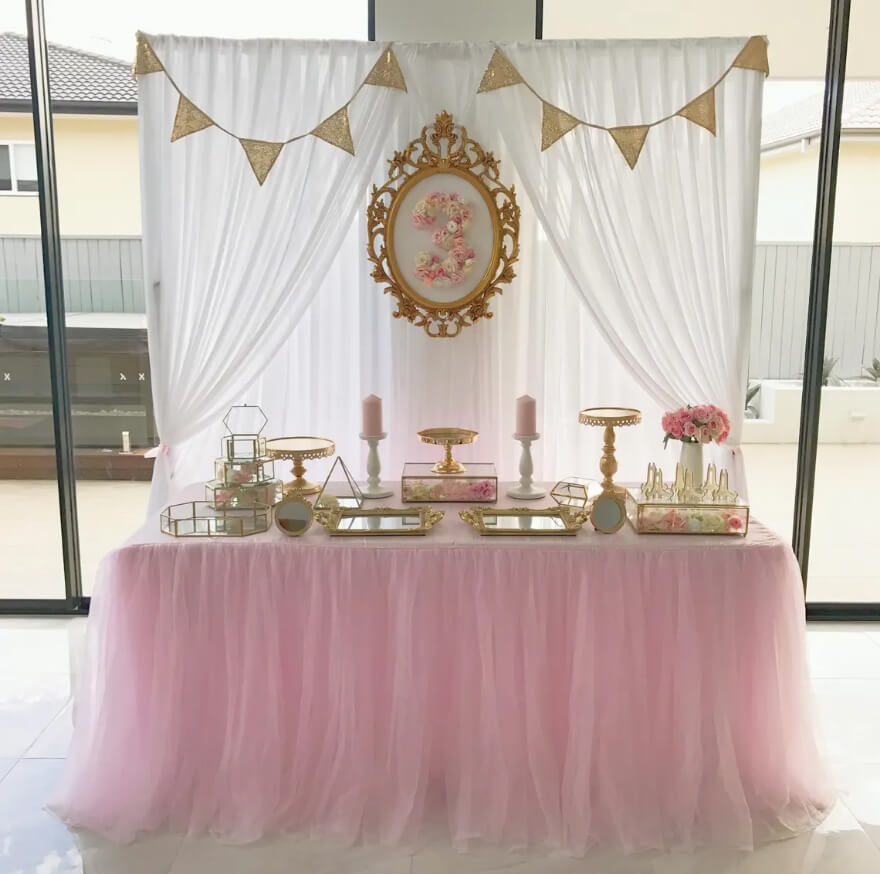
450, 236
700, 423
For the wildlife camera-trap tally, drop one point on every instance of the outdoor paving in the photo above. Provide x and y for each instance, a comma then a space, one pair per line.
844, 561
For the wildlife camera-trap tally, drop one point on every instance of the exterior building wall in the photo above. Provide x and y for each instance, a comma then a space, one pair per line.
787, 198
98, 176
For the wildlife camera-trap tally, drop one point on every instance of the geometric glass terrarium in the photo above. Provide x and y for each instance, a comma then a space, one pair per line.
342, 491
244, 476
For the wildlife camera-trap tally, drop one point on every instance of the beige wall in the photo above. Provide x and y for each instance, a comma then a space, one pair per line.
787, 198
428, 21
98, 177
797, 29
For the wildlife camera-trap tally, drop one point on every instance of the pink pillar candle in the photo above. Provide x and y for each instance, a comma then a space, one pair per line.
372, 416
526, 416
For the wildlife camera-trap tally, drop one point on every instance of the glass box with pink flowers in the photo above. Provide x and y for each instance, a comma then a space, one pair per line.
478, 483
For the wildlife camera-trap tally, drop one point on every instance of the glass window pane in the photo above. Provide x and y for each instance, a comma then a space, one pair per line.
5, 169
25, 158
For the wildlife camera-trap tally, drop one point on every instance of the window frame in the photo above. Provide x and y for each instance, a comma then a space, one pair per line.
15, 192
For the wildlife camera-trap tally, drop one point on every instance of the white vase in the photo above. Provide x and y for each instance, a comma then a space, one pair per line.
692, 460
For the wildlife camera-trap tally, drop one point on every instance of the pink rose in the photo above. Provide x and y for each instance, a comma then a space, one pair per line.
715, 427
734, 523
689, 429
701, 413
723, 436
666, 422
685, 415
705, 435
676, 431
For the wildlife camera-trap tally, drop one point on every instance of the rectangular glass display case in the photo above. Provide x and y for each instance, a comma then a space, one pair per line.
671, 517
477, 484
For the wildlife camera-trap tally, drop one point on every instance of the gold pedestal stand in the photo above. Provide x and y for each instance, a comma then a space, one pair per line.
447, 438
609, 512
298, 449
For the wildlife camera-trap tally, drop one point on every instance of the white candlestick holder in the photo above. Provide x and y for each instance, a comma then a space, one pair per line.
526, 491
374, 487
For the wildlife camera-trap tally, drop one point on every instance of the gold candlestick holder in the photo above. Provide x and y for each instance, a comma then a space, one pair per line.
447, 438
298, 449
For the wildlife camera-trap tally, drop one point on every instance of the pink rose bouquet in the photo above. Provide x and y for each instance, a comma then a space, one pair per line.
702, 423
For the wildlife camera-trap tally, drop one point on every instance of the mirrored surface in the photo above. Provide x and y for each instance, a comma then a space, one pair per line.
524, 523
293, 516
608, 513
367, 522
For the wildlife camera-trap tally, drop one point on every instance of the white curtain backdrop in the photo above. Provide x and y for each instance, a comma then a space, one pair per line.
632, 287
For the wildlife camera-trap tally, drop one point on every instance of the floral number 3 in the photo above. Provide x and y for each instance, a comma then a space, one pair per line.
459, 260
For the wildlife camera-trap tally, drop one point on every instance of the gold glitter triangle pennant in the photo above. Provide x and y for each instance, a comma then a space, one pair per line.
336, 131
499, 74
261, 156
630, 138
145, 58
701, 111
754, 56
188, 120
386, 72
555, 124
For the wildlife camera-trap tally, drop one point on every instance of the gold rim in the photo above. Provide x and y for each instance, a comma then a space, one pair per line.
280, 452
451, 436
615, 416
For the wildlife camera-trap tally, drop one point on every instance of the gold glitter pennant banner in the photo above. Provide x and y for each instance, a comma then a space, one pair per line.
701, 111
754, 56
188, 120
555, 124
630, 138
386, 72
145, 58
261, 156
336, 131
499, 74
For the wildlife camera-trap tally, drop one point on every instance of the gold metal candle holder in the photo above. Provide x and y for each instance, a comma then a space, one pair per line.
298, 449
609, 418
447, 438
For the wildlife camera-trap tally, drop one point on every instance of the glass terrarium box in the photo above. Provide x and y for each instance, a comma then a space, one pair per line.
673, 517
244, 472
478, 483
222, 494
201, 519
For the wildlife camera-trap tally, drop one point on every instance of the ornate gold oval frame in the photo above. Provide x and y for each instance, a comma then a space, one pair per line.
445, 148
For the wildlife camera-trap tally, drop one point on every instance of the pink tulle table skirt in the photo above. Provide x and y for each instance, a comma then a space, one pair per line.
649, 692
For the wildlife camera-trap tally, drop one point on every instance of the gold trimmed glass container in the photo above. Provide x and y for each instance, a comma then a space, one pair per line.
420, 482
202, 519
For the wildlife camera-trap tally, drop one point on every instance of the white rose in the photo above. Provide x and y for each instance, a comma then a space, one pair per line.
449, 264
423, 259
451, 226
453, 209
469, 262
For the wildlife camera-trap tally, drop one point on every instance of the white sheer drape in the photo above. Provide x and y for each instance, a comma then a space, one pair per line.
688, 230
232, 266
661, 255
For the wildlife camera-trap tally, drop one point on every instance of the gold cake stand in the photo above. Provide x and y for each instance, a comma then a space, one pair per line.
299, 449
448, 437
609, 418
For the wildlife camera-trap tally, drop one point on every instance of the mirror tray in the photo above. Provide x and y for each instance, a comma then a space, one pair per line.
525, 520
387, 521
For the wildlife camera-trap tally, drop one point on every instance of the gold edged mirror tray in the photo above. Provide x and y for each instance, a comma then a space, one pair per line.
525, 520
387, 521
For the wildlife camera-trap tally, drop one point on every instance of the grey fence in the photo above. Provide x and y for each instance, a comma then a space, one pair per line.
779, 309
101, 275
106, 275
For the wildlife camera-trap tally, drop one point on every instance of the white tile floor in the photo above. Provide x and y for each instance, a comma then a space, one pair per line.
38, 658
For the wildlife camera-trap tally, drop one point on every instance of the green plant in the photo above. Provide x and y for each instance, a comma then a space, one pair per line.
874, 370
828, 365
752, 389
